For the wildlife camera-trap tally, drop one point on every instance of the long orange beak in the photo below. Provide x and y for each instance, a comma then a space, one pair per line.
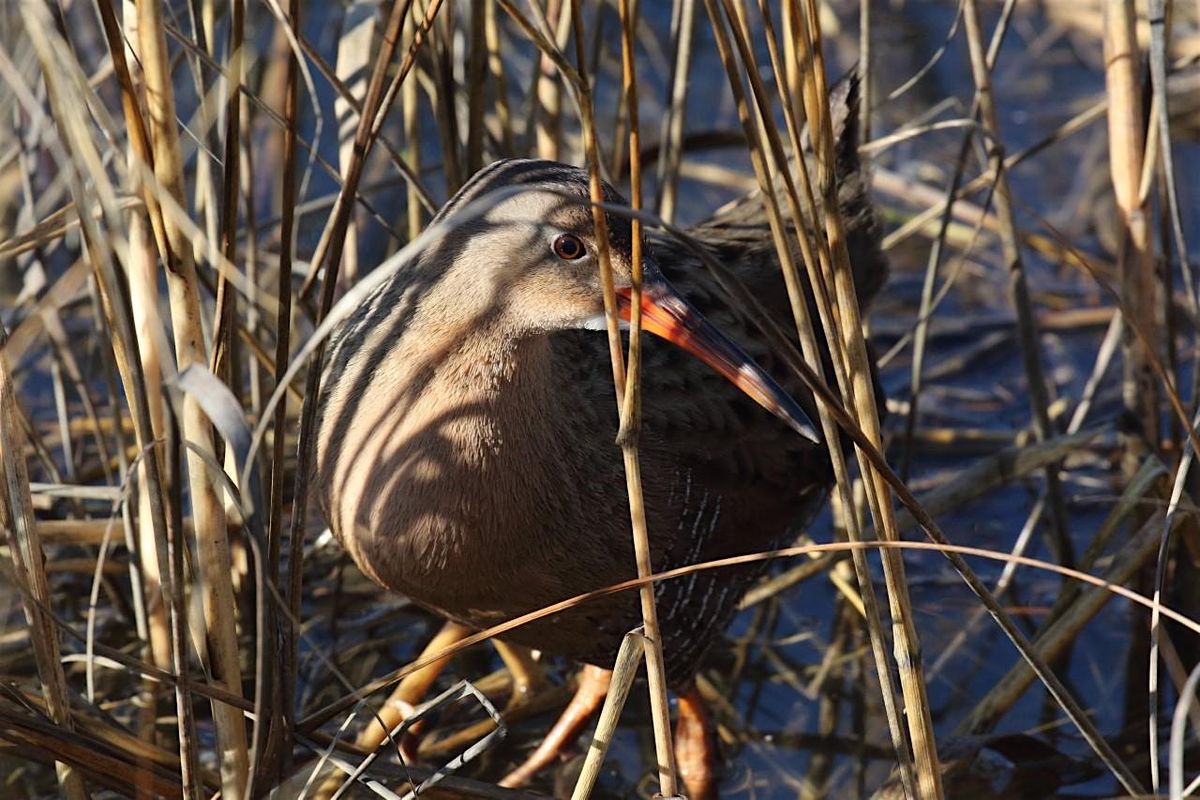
669, 316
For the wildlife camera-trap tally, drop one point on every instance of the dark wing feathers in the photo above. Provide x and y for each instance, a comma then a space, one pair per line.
741, 226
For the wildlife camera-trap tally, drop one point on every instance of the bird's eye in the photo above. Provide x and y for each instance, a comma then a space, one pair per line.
568, 247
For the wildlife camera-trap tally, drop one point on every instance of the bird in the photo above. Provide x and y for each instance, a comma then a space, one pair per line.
465, 450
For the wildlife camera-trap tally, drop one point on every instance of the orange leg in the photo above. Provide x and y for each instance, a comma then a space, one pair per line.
695, 747
593, 686
411, 690
527, 674
409, 693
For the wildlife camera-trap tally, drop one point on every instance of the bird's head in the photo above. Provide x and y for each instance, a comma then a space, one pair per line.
522, 246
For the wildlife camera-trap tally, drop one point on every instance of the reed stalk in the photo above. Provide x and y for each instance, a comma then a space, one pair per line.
410, 99
628, 435
1130, 164
224, 360
1039, 397
860, 392
626, 376
208, 512
496, 69
1126, 136
866, 71
292, 581
764, 140
477, 58
16, 517
444, 99
142, 271
353, 60
683, 26
149, 329
101, 235
546, 95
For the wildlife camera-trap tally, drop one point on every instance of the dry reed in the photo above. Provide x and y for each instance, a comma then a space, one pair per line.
117, 489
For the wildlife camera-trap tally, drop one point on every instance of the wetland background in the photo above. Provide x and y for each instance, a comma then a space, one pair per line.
1091, 473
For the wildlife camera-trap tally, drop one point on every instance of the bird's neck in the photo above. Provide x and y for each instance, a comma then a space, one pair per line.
492, 374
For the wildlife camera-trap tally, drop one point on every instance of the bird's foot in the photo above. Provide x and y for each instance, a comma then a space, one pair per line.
695, 746
593, 686
410, 693
528, 677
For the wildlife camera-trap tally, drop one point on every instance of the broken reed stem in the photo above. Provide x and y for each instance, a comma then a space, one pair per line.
1123, 78
208, 512
627, 383
764, 139
625, 670
25, 548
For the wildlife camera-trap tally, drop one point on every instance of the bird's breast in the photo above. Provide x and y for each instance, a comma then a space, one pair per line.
470, 505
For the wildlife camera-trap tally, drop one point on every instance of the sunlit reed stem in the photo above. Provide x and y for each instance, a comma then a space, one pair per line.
208, 513
1126, 135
